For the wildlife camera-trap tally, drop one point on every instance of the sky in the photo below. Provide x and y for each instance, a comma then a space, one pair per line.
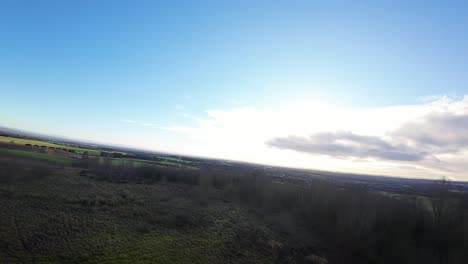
375, 87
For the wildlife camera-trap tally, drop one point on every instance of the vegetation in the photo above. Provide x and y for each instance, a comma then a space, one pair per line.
24, 141
102, 212
37, 155
67, 218
142, 162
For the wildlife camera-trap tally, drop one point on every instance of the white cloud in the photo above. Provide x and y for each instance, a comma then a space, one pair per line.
427, 139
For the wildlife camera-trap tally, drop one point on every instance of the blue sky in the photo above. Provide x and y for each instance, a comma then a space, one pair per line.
144, 73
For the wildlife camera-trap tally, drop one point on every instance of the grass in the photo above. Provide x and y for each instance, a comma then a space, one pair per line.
36, 155
176, 160
53, 221
140, 162
424, 201
168, 161
23, 141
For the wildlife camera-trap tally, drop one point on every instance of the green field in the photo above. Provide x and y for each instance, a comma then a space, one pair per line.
35, 155
168, 161
177, 160
68, 161
23, 141
140, 162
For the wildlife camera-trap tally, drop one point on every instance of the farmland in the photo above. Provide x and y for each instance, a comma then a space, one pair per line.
141, 162
24, 141
36, 155
126, 157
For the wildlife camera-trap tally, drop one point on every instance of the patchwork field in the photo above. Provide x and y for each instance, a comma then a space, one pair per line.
20, 142
24, 141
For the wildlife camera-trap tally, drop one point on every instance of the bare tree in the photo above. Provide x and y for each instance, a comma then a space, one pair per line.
440, 200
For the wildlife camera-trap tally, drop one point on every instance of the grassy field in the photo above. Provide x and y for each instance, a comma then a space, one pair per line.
69, 161
167, 161
36, 155
140, 162
23, 141
176, 160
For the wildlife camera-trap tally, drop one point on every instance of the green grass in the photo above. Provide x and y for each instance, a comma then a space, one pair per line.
169, 161
176, 160
23, 141
140, 162
35, 155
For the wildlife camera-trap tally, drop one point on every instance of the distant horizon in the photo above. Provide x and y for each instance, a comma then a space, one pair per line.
367, 88
136, 148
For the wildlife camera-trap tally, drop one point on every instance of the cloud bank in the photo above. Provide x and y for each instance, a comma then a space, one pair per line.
426, 139
347, 144
430, 135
